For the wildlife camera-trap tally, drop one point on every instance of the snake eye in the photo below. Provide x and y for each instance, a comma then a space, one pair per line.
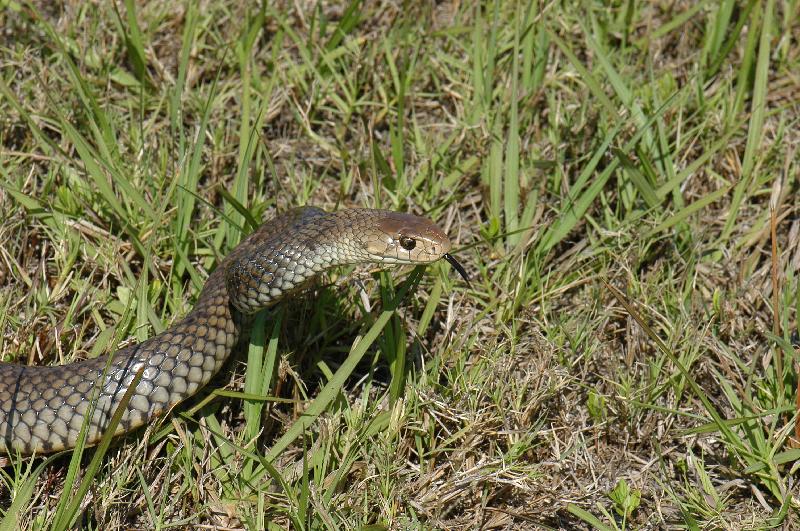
408, 243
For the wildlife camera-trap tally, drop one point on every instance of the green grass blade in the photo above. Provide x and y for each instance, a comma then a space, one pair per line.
576, 208
591, 81
24, 493
261, 363
589, 518
334, 386
175, 112
755, 129
68, 518
134, 42
684, 213
511, 177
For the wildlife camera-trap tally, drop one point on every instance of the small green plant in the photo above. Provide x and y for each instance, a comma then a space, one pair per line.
625, 500
596, 404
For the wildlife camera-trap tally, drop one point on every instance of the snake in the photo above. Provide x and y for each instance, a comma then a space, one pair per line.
44, 408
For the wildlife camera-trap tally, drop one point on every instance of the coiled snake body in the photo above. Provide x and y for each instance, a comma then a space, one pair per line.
42, 409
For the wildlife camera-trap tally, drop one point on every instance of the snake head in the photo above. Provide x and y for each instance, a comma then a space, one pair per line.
393, 237
399, 238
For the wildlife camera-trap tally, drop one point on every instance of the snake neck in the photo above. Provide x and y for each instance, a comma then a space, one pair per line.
283, 254
276, 260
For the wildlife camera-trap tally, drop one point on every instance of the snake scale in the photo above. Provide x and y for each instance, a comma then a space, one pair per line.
43, 408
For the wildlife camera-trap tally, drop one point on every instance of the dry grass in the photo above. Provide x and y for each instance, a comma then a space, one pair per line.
561, 145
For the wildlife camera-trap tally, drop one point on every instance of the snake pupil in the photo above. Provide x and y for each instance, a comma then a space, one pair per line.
408, 243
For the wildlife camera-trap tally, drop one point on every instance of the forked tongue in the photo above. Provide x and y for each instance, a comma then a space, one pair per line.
458, 267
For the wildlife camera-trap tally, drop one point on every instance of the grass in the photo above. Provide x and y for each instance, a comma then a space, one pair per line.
618, 179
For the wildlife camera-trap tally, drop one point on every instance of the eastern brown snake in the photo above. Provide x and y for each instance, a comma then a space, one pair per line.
42, 408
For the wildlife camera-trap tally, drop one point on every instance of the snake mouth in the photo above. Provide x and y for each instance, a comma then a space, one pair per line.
458, 267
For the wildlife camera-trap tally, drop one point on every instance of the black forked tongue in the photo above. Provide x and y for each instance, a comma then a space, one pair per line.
458, 267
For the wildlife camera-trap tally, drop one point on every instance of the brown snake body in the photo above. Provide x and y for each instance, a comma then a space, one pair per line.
42, 409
